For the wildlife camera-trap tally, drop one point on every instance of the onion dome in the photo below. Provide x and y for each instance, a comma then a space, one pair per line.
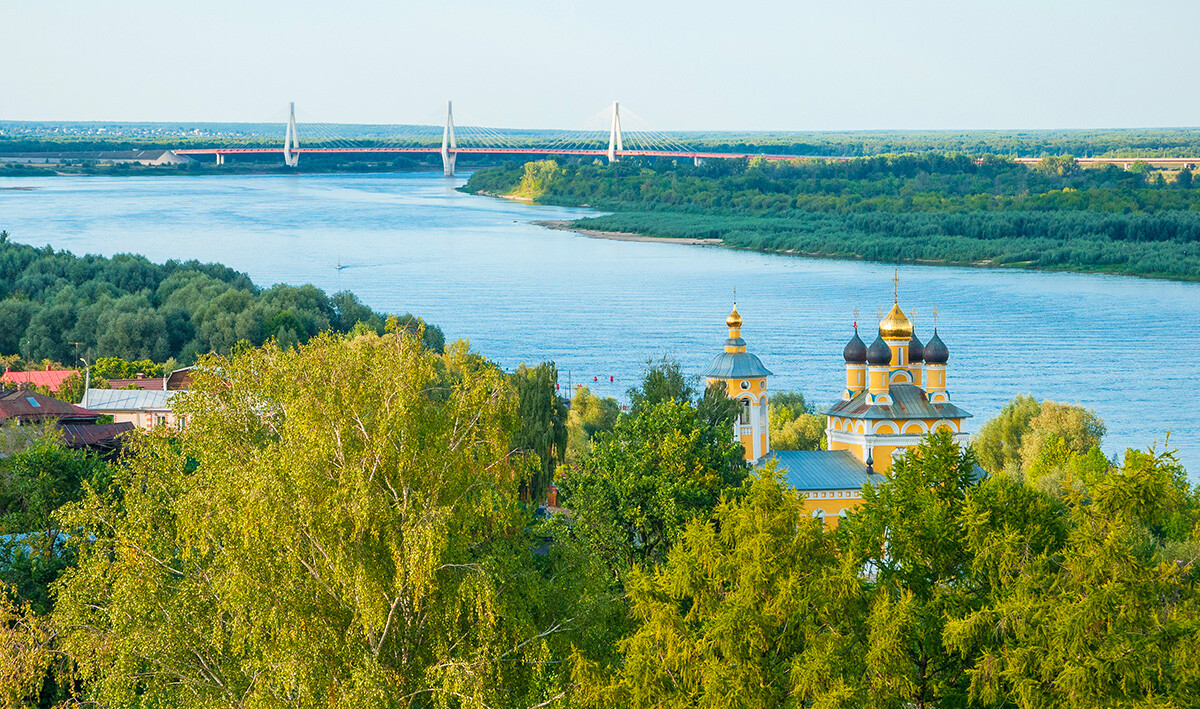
734, 319
856, 350
896, 325
935, 351
879, 353
916, 351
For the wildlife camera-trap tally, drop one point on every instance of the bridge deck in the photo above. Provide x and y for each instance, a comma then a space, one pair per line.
1160, 161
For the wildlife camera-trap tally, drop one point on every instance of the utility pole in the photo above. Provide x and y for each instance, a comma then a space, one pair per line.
87, 381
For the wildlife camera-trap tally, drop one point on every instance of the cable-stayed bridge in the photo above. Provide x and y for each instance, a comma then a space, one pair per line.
626, 136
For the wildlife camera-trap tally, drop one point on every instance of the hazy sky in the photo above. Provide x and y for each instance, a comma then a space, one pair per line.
750, 64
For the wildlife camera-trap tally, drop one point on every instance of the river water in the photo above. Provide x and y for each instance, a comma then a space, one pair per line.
476, 266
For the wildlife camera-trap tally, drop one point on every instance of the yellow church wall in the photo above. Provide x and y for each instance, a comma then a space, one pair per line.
856, 450
832, 506
882, 457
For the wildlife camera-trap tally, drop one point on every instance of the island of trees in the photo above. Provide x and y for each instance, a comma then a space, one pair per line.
920, 208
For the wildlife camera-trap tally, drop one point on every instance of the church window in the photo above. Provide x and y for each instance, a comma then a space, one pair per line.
744, 417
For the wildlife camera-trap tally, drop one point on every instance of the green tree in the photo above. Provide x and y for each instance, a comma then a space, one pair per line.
1077, 428
907, 538
118, 368
1097, 617
998, 443
542, 433
336, 526
736, 602
805, 432
27, 651
663, 465
1026, 431
661, 381
37, 477
589, 416
1059, 166
793, 426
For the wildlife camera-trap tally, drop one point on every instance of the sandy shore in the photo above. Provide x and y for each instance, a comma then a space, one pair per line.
624, 236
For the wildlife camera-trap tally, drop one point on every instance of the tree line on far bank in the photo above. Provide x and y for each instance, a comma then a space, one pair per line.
128, 307
954, 209
349, 523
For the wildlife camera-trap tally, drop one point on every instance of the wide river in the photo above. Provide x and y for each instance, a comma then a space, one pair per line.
476, 266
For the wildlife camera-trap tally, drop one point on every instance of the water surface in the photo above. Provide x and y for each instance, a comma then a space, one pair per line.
520, 293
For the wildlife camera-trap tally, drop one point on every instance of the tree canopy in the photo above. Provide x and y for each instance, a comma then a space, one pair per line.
127, 307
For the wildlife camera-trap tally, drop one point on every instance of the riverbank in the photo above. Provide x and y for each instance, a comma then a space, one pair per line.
601, 307
564, 225
919, 209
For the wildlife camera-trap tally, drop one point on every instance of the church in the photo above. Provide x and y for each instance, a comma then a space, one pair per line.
895, 394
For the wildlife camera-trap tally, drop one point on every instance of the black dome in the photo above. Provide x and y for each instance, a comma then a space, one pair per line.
855, 351
916, 351
879, 353
935, 351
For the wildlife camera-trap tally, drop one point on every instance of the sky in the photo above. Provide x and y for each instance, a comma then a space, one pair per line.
699, 65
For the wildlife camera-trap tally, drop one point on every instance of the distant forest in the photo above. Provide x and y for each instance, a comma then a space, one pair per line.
128, 307
929, 207
22, 136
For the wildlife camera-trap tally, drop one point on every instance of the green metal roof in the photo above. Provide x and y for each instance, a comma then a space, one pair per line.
735, 365
908, 402
822, 470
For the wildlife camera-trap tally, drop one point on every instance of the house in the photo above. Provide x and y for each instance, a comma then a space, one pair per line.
178, 380
144, 409
51, 379
103, 439
78, 425
27, 406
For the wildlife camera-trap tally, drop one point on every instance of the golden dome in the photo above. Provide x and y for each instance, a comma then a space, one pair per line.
734, 319
896, 325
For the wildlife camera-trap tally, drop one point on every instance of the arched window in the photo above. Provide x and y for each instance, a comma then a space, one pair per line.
744, 418
819, 514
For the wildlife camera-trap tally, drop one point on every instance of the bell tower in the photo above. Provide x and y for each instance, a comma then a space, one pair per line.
745, 380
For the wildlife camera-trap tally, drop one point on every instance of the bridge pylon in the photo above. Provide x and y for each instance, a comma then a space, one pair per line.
291, 140
614, 133
448, 142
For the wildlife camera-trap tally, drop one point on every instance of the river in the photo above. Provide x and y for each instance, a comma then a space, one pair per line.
476, 266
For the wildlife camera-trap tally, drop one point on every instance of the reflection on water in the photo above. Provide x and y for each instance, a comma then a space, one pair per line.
1124, 347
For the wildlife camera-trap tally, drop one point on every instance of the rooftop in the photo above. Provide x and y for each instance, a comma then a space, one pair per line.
735, 365
32, 406
101, 436
823, 470
105, 400
908, 402
52, 379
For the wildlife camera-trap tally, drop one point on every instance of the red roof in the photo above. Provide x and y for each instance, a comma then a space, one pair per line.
146, 384
32, 406
52, 379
